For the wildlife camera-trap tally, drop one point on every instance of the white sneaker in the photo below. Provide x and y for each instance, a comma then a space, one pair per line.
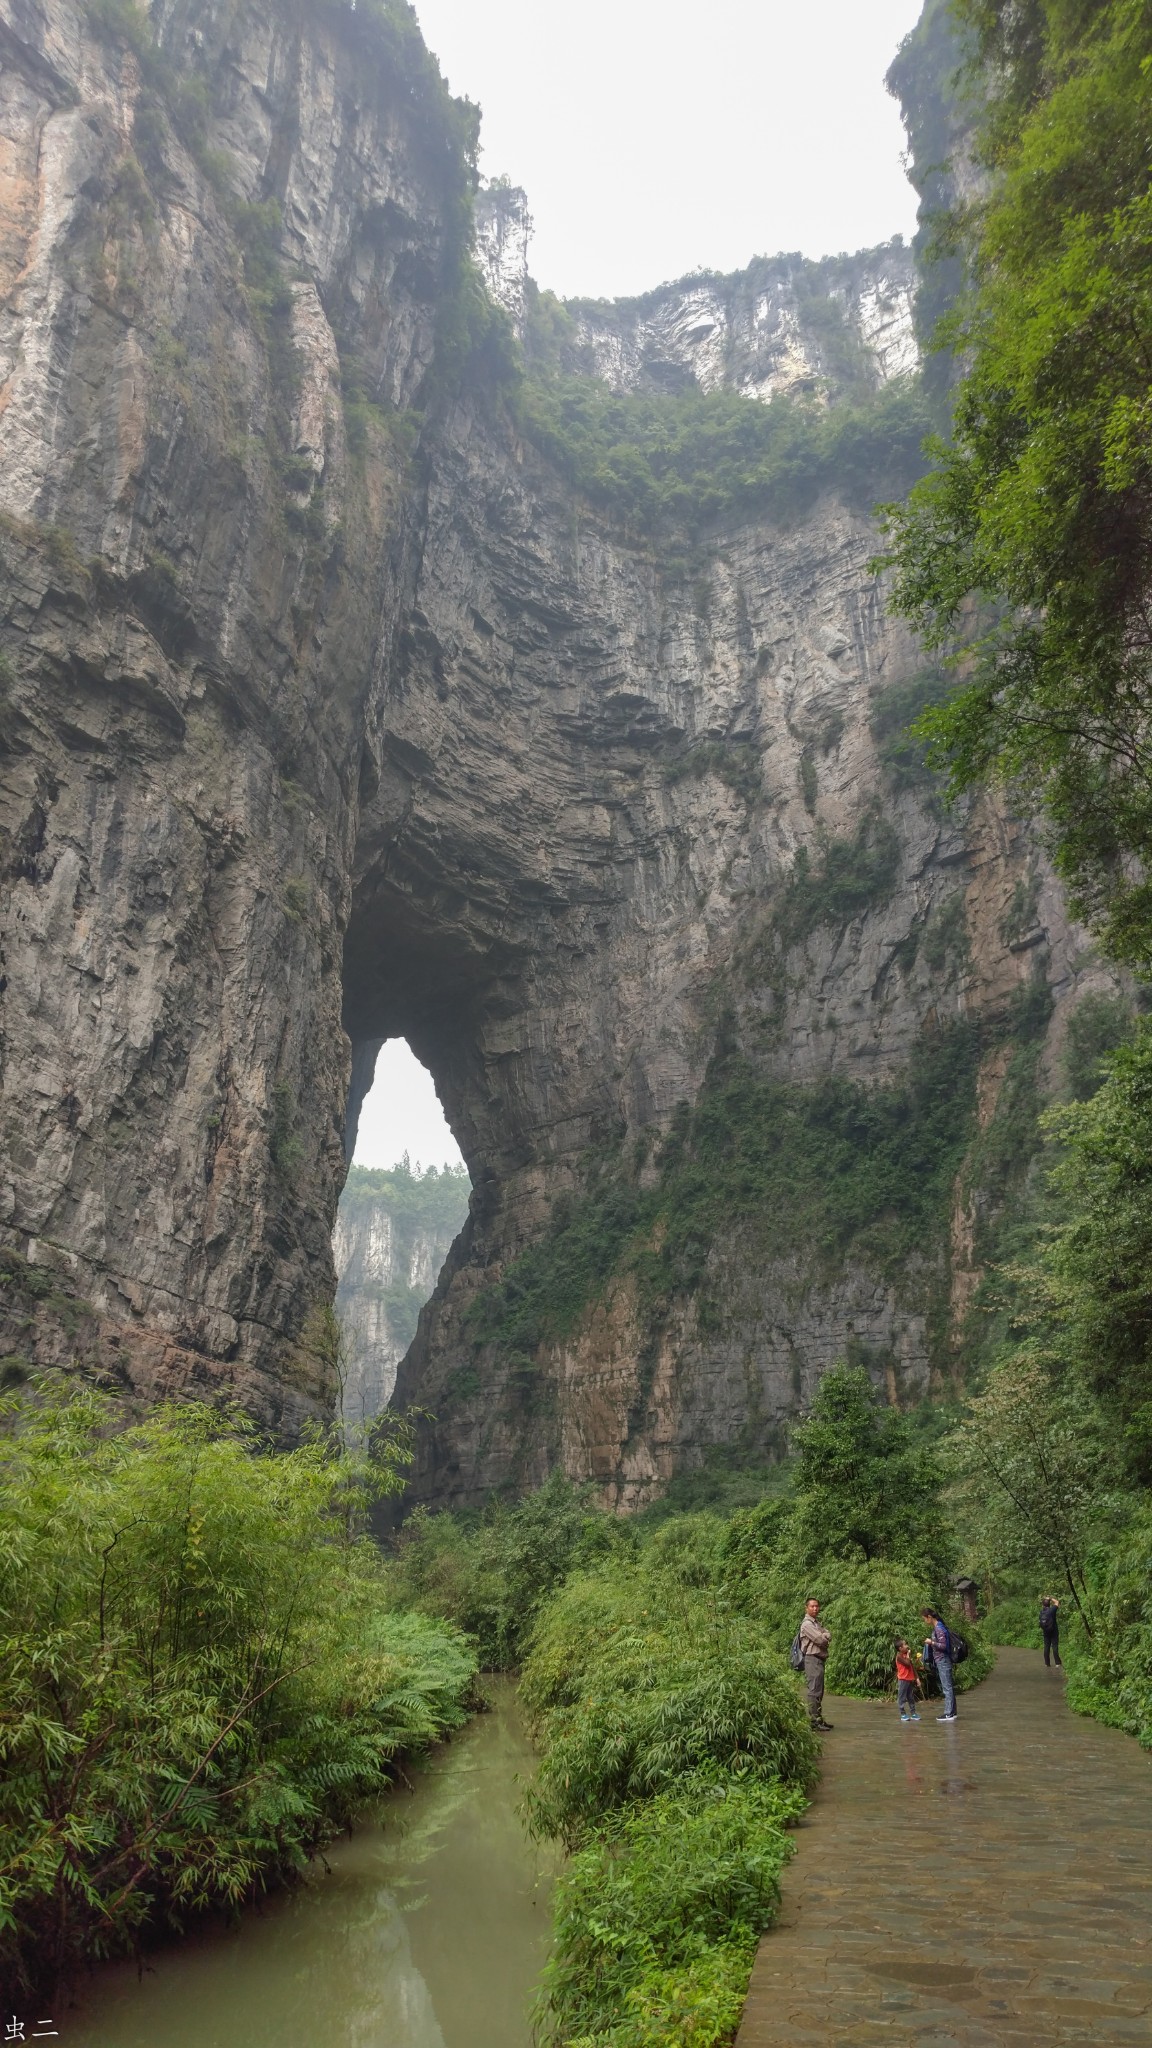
946, 1717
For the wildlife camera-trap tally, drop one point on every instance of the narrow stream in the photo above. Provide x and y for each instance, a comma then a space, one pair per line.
427, 1932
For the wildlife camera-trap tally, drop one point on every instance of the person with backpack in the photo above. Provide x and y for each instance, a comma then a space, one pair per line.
1050, 1628
811, 1647
938, 1651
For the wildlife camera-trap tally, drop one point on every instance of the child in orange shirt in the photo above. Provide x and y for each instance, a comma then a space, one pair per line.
907, 1682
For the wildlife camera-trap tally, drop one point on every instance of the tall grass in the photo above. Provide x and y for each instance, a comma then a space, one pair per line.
202, 1671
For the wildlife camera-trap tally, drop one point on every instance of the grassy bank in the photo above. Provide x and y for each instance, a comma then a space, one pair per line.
675, 1746
675, 1751
204, 1672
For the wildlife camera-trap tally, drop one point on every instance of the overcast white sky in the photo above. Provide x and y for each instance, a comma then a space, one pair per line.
656, 137
401, 1114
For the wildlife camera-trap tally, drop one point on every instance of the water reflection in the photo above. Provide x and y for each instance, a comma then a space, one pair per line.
429, 1933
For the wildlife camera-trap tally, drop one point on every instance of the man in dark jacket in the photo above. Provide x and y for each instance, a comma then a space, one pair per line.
1050, 1628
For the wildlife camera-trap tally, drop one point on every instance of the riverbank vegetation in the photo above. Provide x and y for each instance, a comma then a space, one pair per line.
675, 1745
203, 1674
675, 1751
491, 1573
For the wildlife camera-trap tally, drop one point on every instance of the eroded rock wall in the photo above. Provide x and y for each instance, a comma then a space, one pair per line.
668, 743
786, 324
329, 714
204, 556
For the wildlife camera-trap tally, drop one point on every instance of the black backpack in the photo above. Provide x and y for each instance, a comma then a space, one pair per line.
957, 1647
796, 1654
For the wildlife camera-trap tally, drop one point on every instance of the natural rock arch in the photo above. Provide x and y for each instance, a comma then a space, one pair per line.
326, 703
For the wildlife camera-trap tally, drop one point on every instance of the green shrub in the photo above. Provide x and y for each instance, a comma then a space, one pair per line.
864, 1488
490, 1573
578, 1627
202, 1672
1014, 1621
1097, 1025
730, 1479
1110, 1677
676, 1750
657, 1923
661, 1683
699, 2004
686, 1548
868, 1608
1101, 1257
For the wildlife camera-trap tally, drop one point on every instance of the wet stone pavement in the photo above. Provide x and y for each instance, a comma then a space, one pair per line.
983, 1884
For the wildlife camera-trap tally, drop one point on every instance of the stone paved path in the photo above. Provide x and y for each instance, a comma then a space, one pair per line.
967, 1887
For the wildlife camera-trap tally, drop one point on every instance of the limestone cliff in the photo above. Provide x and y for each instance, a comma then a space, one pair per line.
393, 1231
228, 240
331, 712
785, 324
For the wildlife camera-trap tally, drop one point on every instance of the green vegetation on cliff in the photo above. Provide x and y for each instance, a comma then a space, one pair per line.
1029, 547
1031, 540
431, 1199
1052, 1460
675, 465
806, 1174
688, 462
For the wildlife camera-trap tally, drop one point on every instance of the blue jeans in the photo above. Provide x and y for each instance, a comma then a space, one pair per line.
944, 1674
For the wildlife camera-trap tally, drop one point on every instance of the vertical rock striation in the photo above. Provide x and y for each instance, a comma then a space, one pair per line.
393, 1232
785, 324
206, 537
329, 712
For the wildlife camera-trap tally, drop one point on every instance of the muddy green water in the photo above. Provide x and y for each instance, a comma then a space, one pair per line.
427, 1932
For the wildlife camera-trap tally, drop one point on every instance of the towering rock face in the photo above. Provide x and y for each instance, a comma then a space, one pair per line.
393, 1232
691, 761
503, 230
329, 715
783, 325
206, 543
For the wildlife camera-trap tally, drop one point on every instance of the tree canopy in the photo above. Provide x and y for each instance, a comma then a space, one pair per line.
864, 1488
1027, 551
